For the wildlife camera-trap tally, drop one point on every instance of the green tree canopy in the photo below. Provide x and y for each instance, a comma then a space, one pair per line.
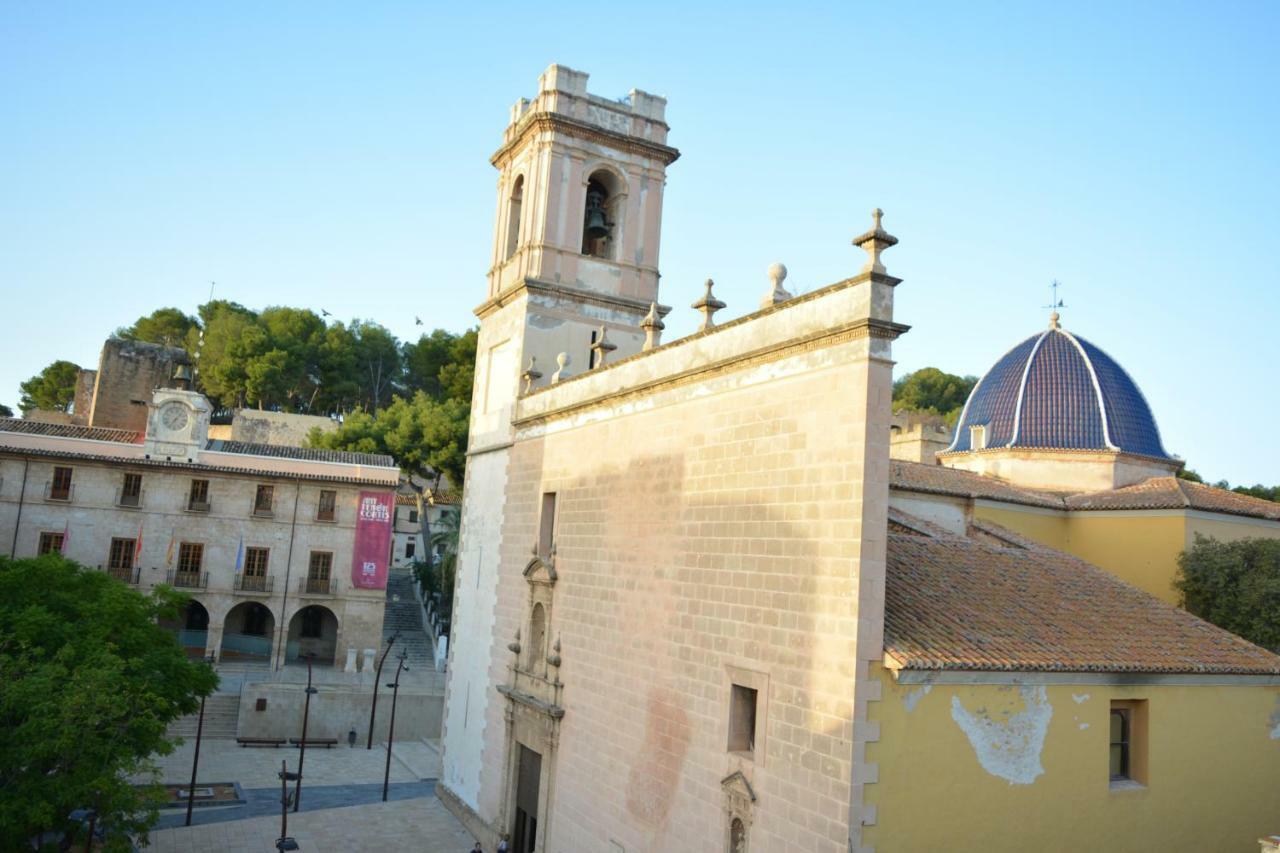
167, 326
5, 411
931, 390
90, 683
442, 364
52, 388
1234, 585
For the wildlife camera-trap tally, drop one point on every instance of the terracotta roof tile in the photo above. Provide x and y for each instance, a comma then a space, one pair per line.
1172, 493
308, 454
937, 479
119, 436
954, 603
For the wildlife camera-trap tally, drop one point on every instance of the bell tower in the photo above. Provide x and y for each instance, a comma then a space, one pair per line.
575, 238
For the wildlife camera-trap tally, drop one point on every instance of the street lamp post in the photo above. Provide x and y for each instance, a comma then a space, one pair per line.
195, 760
391, 731
377, 678
284, 842
302, 752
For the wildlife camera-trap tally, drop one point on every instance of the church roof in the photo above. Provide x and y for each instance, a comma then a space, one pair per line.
1173, 493
1055, 390
119, 436
955, 603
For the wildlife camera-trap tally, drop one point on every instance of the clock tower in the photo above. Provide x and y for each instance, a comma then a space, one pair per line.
177, 421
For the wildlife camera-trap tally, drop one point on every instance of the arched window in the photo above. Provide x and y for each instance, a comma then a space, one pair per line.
513, 217
537, 637
737, 836
601, 215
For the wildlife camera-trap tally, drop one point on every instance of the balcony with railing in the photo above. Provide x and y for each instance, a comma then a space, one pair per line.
129, 576
253, 584
316, 586
263, 510
187, 580
59, 493
129, 500
194, 505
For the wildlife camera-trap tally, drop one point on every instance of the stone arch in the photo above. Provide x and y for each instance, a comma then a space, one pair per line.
191, 626
247, 632
515, 204
313, 630
604, 195
537, 637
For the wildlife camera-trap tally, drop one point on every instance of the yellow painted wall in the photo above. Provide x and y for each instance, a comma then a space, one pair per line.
1046, 527
1213, 770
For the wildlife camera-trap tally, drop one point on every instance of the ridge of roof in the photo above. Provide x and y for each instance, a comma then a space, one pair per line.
1174, 493
939, 479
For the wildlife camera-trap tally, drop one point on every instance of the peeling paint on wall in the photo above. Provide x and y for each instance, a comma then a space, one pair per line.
1008, 743
913, 698
1080, 698
1275, 721
1083, 726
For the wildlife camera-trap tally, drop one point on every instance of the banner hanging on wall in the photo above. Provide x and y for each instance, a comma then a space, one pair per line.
373, 540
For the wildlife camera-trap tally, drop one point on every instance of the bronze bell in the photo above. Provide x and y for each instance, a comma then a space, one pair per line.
597, 225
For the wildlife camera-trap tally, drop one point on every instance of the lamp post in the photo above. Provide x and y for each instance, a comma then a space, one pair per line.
391, 731
195, 760
376, 679
284, 842
302, 752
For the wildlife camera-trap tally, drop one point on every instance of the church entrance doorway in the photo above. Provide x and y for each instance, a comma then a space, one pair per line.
524, 835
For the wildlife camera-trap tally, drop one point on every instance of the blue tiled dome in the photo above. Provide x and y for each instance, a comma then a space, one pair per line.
1056, 390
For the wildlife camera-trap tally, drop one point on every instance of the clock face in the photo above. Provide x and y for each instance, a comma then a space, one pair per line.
174, 416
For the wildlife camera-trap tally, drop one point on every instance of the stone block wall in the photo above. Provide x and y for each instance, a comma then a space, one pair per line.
128, 372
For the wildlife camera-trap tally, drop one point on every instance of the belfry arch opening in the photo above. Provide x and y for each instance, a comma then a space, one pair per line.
515, 202
601, 215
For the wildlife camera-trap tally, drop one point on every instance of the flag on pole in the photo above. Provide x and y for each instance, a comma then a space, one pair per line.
173, 542
137, 547
66, 537
240, 555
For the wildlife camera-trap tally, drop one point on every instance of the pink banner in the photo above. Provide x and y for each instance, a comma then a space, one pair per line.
373, 540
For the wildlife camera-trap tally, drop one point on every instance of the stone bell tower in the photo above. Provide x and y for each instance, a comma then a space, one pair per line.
575, 242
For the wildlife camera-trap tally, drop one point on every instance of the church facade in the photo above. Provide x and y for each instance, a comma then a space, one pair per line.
695, 609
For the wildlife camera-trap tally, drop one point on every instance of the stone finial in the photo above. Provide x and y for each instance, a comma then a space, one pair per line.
602, 347
777, 293
653, 326
707, 306
514, 646
531, 374
554, 658
874, 242
562, 361
1054, 319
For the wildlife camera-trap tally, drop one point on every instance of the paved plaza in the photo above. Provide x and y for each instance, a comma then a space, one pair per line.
341, 804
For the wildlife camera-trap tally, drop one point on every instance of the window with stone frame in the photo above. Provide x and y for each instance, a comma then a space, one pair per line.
190, 557
255, 562
547, 525
327, 508
263, 500
410, 548
318, 571
60, 486
50, 543
131, 490
743, 702
198, 497
121, 554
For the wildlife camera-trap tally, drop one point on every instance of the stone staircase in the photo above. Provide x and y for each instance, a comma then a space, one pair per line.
404, 614
221, 713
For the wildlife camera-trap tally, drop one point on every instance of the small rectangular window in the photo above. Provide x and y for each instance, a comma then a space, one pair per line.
263, 499
326, 510
255, 561
321, 565
977, 438
1127, 758
60, 487
50, 543
742, 719
198, 500
131, 490
121, 554
410, 548
547, 527
413, 516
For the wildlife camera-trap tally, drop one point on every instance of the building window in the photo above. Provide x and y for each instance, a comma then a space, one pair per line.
131, 490
198, 499
255, 561
318, 572
410, 548
1128, 754
977, 438
121, 554
50, 543
514, 205
742, 719
413, 516
263, 499
737, 836
537, 637
547, 525
312, 622
190, 557
326, 510
60, 487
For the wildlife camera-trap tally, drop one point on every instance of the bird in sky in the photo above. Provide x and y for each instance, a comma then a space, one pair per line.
324, 313
417, 320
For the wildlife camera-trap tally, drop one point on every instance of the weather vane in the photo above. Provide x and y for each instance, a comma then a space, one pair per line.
1054, 302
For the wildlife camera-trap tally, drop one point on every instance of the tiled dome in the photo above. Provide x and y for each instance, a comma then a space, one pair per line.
1056, 390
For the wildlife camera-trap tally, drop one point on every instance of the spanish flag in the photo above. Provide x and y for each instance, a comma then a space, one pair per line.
173, 543
137, 547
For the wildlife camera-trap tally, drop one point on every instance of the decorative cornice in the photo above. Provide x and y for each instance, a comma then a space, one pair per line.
578, 294
536, 122
520, 697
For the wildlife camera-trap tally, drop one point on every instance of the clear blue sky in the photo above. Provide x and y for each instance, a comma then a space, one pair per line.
336, 156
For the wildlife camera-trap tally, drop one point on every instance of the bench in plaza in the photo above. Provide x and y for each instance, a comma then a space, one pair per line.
260, 741
326, 742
